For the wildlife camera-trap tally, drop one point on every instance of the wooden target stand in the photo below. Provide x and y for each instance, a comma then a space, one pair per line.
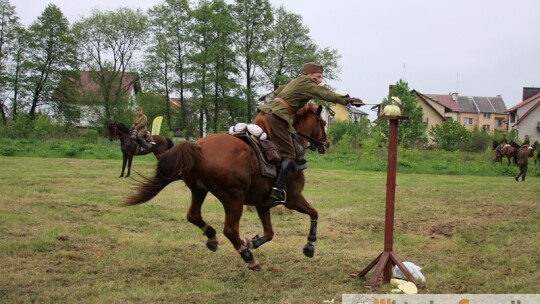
388, 258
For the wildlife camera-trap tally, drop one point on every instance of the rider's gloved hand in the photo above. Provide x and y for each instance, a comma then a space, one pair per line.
355, 102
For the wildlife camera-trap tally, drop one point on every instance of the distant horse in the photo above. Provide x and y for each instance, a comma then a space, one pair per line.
510, 151
118, 130
229, 168
496, 147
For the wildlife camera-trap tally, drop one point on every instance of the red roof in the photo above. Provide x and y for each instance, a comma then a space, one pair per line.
445, 100
526, 101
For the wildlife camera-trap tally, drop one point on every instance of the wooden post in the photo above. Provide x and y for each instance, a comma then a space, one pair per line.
387, 259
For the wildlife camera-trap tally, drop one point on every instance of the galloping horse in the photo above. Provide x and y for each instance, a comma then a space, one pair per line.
228, 168
118, 130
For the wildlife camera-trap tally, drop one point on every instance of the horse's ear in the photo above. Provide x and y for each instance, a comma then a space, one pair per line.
319, 110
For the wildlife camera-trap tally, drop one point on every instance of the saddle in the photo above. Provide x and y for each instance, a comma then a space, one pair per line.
266, 151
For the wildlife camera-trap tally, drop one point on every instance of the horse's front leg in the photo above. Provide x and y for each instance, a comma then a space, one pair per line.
301, 205
130, 160
124, 161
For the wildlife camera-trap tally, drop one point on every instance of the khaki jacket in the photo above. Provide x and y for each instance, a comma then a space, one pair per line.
140, 123
298, 93
523, 156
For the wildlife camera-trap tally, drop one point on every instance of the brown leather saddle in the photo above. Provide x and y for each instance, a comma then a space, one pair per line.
266, 151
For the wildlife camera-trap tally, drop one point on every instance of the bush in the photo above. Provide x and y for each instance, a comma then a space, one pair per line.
90, 136
348, 135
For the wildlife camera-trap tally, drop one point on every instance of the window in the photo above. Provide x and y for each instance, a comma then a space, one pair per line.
498, 123
487, 115
467, 121
485, 128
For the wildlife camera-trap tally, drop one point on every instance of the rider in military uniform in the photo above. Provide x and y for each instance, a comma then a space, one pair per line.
280, 112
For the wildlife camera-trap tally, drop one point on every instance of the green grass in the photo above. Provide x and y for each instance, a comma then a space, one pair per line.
64, 239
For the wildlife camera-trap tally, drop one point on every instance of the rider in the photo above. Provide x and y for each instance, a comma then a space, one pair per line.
526, 141
523, 161
139, 133
504, 141
280, 112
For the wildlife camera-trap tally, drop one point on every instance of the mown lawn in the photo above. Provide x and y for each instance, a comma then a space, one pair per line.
63, 239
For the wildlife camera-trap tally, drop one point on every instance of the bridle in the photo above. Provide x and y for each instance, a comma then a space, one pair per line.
321, 145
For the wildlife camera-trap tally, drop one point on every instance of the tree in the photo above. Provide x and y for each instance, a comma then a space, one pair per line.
254, 20
290, 47
411, 132
450, 135
108, 44
9, 28
165, 58
51, 51
212, 60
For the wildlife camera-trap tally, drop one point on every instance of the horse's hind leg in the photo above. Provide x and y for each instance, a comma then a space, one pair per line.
194, 216
302, 206
233, 213
264, 216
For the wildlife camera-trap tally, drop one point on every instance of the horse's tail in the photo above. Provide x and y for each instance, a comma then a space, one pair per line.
177, 163
170, 143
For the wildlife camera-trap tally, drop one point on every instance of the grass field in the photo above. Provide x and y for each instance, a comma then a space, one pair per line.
64, 240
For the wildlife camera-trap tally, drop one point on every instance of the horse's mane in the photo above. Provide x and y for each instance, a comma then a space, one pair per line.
309, 107
122, 127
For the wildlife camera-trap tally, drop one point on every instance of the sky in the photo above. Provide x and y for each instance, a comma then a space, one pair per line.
472, 47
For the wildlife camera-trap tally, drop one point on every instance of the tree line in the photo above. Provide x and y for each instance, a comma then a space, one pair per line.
215, 58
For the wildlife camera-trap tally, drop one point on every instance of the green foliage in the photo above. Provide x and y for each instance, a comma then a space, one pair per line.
349, 135
480, 141
411, 132
450, 135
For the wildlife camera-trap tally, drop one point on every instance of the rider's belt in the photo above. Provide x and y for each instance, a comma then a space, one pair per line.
286, 105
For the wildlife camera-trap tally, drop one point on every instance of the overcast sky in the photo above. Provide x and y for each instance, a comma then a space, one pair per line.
473, 47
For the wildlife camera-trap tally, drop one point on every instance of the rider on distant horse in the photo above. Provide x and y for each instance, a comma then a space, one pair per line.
139, 133
279, 114
504, 141
526, 141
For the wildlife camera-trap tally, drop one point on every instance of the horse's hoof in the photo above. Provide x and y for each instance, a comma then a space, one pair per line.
255, 267
309, 250
212, 245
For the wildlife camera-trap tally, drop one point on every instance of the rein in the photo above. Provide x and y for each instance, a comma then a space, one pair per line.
314, 143
319, 144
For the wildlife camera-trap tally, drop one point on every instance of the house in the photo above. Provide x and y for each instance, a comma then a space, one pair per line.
485, 113
525, 116
81, 90
337, 112
434, 112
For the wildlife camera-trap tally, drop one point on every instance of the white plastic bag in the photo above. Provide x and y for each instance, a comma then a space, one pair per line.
413, 269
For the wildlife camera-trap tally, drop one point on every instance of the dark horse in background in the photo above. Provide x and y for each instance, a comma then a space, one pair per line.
118, 130
227, 167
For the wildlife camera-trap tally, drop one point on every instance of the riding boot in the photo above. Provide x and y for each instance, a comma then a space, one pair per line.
278, 192
144, 143
140, 143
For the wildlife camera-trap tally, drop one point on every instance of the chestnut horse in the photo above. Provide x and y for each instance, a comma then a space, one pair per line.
118, 130
510, 151
227, 167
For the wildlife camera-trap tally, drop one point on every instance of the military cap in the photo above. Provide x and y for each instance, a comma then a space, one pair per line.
311, 67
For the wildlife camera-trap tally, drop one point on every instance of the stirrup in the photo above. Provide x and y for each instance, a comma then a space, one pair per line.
279, 195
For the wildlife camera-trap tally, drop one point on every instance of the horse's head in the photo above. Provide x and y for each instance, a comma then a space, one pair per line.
309, 124
113, 131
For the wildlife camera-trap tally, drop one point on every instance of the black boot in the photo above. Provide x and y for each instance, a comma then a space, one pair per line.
278, 192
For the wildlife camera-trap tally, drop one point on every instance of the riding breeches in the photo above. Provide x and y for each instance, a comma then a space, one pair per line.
281, 136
